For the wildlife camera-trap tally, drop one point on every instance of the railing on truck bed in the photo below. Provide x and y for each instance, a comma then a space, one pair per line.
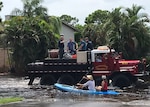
54, 65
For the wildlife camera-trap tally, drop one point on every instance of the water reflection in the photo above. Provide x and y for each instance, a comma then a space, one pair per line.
66, 103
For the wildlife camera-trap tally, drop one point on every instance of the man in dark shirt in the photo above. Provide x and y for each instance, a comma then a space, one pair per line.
61, 46
89, 45
82, 46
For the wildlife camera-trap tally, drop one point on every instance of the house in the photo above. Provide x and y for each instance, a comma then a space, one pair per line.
68, 32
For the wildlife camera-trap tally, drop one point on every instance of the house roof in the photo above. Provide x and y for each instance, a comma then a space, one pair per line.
73, 28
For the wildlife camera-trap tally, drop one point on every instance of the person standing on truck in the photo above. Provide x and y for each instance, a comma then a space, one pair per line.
90, 84
89, 45
61, 46
142, 66
71, 47
82, 46
104, 84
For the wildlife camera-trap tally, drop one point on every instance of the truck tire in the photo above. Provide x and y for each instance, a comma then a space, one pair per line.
66, 79
47, 80
121, 81
98, 81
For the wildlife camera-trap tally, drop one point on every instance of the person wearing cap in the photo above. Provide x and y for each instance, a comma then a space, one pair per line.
90, 84
104, 84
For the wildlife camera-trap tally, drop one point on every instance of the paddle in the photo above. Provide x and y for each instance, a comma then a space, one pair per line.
84, 77
79, 85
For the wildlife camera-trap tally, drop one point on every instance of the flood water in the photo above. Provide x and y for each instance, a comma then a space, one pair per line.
48, 96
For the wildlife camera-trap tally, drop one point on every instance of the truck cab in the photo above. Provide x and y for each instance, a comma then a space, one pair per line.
107, 62
103, 61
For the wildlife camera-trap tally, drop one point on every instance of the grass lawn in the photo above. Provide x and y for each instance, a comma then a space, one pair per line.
6, 100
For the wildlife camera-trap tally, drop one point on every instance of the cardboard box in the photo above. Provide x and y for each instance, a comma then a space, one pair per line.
82, 57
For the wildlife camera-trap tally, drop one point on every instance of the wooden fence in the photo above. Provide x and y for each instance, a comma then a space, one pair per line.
4, 63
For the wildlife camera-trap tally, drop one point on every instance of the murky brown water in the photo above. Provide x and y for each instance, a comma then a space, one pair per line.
47, 96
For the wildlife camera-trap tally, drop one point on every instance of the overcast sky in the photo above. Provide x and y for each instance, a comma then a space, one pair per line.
76, 8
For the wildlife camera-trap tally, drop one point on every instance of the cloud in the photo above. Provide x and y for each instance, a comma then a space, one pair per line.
82, 8
8, 6
76, 8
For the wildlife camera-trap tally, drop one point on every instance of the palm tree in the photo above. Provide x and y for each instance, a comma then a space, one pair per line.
31, 8
114, 35
69, 20
31, 33
28, 39
138, 32
96, 27
1, 5
128, 31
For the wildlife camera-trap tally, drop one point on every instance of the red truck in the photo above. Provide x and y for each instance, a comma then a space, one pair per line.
98, 62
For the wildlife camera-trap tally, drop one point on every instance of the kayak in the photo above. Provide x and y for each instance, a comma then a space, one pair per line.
73, 89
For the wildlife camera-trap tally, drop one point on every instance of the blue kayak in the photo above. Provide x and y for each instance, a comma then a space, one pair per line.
73, 89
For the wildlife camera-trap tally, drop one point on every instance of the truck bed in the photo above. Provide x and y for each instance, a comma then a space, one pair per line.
57, 65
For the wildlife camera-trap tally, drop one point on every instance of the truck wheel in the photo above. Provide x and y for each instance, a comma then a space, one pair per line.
98, 81
121, 81
66, 79
47, 80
